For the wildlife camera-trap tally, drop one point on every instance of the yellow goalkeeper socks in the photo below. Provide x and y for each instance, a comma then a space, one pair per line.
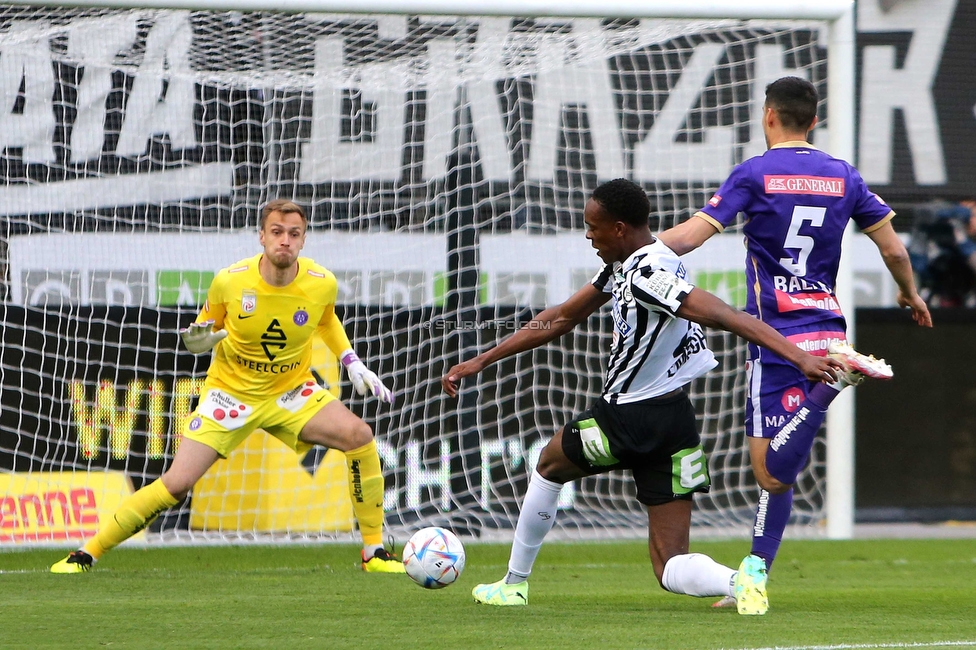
135, 513
366, 491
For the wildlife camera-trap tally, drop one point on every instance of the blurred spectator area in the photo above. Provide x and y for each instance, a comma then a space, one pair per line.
943, 251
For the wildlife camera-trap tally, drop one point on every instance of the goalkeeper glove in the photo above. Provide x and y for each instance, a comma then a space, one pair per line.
200, 337
363, 379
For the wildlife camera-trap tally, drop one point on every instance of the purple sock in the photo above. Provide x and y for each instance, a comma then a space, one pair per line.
771, 516
789, 449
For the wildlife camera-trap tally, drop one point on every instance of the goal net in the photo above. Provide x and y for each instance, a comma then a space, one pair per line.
444, 163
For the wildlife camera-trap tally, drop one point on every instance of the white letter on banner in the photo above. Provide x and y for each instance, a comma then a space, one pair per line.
442, 84
418, 478
659, 158
25, 55
93, 44
489, 449
587, 84
885, 88
444, 79
325, 157
486, 68
147, 113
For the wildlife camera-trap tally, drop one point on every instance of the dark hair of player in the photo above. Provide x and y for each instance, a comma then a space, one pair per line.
624, 200
283, 206
795, 101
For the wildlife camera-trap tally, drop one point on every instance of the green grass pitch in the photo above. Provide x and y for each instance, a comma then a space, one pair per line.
859, 594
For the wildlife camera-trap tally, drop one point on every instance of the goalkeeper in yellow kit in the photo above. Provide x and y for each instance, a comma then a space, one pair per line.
260, 318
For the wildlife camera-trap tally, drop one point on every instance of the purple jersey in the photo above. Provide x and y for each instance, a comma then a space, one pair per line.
797, 201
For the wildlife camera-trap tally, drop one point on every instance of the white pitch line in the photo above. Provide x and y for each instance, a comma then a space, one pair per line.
868, 646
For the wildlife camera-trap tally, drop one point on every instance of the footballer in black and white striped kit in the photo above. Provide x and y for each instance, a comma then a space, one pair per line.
654, 351
644, 421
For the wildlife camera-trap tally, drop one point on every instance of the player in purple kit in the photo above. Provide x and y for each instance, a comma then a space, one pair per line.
797, 202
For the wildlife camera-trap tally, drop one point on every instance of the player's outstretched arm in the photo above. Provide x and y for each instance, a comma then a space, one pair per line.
550, 324
201, 337
364, 380
706, 309
687, 235
895, 257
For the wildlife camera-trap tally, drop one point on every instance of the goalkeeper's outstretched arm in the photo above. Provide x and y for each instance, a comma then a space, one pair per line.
364, 380
201, 337
208, 329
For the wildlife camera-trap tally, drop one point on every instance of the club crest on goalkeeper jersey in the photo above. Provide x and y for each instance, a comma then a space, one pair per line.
268, 348
654, 351
797, 202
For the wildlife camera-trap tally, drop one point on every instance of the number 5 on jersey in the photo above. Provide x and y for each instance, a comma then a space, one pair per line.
802, 243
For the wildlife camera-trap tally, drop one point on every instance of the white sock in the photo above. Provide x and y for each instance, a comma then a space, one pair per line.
696, 574
838, 385
535, 520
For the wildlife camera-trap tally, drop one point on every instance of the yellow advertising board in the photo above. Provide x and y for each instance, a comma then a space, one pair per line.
58, 506
263, 487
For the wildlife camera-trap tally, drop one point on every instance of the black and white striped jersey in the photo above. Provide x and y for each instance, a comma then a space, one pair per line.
653, 351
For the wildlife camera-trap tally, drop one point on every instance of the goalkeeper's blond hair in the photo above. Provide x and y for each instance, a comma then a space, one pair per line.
284, 206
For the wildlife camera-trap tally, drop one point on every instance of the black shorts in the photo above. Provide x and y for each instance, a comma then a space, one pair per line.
657, 439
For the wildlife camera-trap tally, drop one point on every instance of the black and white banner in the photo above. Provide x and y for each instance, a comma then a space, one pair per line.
102, 109
917, 113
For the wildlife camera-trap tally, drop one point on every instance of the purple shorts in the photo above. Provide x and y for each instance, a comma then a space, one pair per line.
776, 386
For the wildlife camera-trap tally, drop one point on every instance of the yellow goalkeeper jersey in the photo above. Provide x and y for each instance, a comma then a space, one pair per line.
268, 348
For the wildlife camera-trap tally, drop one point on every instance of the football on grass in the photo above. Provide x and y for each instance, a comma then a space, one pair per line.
433, 557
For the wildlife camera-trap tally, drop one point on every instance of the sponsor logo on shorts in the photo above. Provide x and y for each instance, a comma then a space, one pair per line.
220, 414
224, 409
596, 445
296, 398
816, 343
791, 398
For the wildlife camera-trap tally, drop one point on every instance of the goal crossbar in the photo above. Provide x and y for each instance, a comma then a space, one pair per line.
803, 10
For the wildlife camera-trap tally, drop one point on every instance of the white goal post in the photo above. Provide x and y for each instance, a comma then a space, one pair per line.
95, 276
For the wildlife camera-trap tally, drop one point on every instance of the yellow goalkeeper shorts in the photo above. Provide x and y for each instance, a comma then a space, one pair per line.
223, 420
